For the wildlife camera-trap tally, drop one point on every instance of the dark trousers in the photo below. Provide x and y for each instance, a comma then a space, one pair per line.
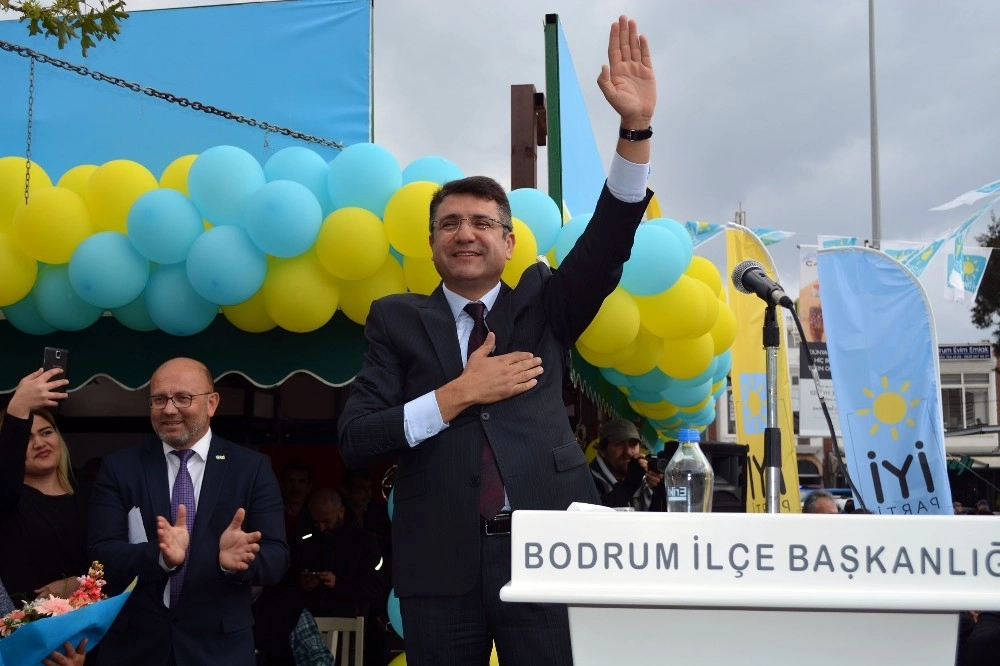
461, 630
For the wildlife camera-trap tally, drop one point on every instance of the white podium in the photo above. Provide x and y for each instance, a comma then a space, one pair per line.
768, 589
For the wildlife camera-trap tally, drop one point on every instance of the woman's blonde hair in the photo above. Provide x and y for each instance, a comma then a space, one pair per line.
64, 472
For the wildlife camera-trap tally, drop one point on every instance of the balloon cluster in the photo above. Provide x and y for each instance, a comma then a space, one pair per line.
284, 244
290, 242
663, 336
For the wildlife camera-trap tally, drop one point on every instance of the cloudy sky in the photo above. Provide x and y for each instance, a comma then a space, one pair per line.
762, 106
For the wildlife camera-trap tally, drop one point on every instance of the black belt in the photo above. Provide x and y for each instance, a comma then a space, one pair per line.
498, 524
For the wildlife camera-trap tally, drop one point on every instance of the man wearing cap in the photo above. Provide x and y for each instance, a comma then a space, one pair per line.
620, 471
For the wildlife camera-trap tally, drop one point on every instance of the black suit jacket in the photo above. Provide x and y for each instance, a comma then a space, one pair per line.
213, 622
413, 349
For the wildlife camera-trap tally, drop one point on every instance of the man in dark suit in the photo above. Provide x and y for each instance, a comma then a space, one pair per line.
413, 398
237, 539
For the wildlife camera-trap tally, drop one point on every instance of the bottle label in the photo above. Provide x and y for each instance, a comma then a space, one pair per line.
677, 493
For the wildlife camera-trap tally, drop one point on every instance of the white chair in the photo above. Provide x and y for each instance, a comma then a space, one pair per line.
340, 634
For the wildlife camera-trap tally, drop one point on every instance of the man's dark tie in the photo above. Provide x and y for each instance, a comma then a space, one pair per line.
491, 496
183, 493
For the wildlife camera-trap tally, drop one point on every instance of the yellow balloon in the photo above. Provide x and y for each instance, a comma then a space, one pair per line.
688, 309
298, 294
420, 274
657, 411
702, 269
688, 357
356, 296
599, 360
352, 243
524, 255
616, 324
13, 171
494, 659
648, 350
76, 178
50, 226
17, 272
590, 451
250, 315
113, 188
398, 660
175, 176
407, 218
551, 256
724, 331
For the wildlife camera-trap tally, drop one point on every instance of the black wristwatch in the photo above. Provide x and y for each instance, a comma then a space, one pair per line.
635, 134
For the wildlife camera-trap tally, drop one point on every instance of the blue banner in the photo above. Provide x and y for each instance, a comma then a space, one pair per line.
883, 359
307, 70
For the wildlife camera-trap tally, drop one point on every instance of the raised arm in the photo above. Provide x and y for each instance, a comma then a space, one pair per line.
629, 85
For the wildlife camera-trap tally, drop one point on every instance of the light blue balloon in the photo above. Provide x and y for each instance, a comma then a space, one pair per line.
135, 315
614, 377
304, 166
653, 381
162, 225
679, 231
221, 181
431, 169
365, 175
283, 218
657, 262
24, 316
390, 502
225, 267
569, 234
723, 364
173, 304
644, 396
686, 395
657, 446
107, 271
537, 210
702, 417
59, 304
395, 617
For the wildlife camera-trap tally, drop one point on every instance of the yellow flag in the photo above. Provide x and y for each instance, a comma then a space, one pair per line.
750, 381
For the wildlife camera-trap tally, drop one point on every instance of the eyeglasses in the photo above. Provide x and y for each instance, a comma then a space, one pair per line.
181, 400
482, 223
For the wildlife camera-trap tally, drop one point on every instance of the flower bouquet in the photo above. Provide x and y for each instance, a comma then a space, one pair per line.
87, 613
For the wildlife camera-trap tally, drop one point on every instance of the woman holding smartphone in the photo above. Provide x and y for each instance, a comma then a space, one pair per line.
43, 520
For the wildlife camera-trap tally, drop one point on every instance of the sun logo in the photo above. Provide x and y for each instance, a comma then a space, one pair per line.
752, 394
889, 408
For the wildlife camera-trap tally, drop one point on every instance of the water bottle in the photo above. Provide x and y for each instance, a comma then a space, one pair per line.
689, 478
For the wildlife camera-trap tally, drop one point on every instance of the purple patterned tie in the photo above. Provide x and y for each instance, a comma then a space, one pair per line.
183, 493
491, 495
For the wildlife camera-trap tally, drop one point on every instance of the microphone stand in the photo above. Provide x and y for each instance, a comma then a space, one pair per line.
772, 433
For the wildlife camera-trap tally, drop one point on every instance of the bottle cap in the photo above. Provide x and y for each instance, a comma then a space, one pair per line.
688, 435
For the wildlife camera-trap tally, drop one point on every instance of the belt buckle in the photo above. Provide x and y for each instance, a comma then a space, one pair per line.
501, 521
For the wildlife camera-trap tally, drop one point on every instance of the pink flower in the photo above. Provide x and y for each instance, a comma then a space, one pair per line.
53, 606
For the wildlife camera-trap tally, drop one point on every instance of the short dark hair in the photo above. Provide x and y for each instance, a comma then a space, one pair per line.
483, 187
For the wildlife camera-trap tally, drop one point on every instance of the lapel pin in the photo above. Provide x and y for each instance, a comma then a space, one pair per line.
220, 457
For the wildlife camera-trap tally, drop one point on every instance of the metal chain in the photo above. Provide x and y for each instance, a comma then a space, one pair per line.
31, 112
167, 97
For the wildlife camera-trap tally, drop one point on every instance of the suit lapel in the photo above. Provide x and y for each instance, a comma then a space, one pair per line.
154, 466
500, 320
216, 468
439, 323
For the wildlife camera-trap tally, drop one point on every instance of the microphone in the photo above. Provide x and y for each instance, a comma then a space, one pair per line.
750, 278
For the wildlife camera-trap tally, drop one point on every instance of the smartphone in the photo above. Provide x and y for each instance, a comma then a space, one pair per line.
55, 357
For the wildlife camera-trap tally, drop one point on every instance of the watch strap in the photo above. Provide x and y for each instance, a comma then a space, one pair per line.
635, 134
